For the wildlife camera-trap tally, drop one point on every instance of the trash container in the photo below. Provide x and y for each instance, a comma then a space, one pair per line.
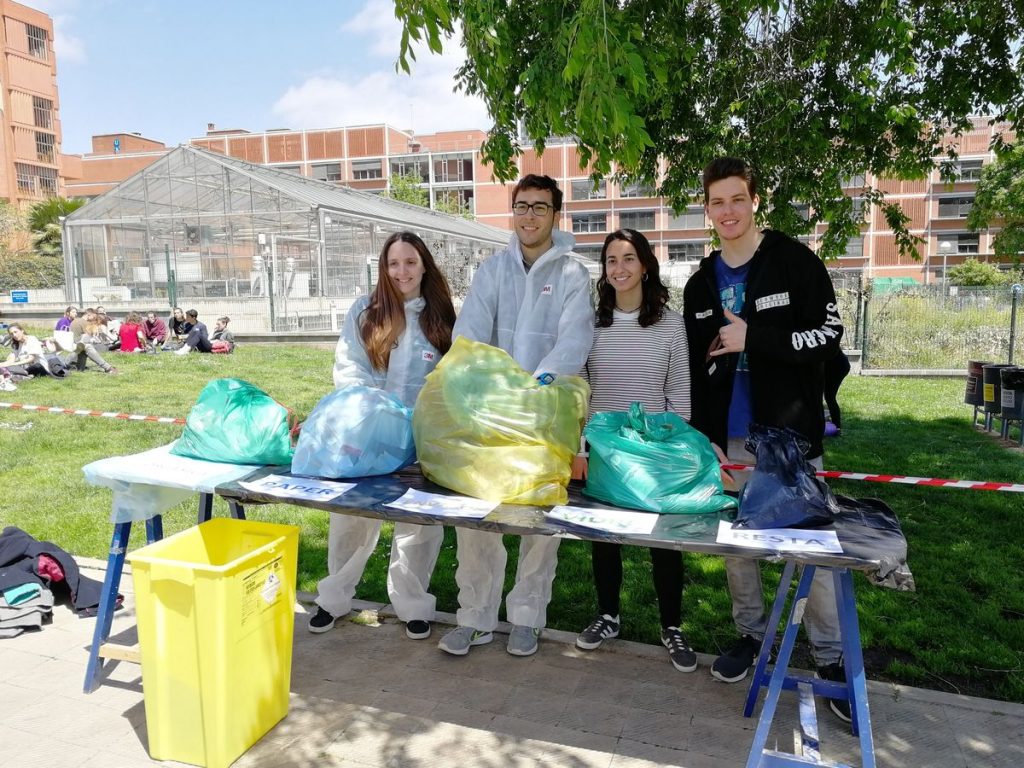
973, 394
215, 607
1011, 385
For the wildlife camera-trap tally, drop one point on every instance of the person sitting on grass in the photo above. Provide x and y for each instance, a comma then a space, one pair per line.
222, 340
155, 331
130, 332
178, 328
64, 324
198, 336
26, 357
85, 334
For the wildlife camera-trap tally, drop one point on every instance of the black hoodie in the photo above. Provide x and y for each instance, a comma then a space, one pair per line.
793, 327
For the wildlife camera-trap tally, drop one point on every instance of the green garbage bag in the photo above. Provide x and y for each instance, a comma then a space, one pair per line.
656, 462
486, 428
238, 423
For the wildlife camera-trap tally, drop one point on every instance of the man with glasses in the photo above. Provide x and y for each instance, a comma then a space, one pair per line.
532, 300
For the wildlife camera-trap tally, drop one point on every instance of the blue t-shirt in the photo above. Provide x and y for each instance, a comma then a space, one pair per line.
732, 289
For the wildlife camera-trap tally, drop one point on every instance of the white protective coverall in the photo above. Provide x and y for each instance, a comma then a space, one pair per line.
351, 539
544, 319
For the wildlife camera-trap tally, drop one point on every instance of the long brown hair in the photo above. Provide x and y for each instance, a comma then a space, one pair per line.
383, 320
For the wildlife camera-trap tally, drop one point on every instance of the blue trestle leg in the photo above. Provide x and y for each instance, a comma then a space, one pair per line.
108, 601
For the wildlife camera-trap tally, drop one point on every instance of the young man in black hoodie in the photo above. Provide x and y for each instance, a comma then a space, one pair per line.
761, 320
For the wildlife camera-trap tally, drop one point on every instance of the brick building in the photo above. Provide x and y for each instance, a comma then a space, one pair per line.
30, 138
449, 167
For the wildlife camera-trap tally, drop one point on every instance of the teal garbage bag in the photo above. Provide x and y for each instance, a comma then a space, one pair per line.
355, 432
655, 462
236, 422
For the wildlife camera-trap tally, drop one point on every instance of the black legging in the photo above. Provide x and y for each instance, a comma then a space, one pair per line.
836, 369
668, 580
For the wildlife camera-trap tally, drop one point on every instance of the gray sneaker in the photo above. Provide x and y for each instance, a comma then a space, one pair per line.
522, 641
461, 639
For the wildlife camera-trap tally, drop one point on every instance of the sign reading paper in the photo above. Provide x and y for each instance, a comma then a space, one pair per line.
436, 505
779, 539
312, 489
610, 520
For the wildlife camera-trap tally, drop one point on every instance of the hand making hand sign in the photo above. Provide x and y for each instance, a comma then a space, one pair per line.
732, 337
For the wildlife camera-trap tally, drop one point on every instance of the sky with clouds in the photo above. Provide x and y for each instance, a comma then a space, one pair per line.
166, 68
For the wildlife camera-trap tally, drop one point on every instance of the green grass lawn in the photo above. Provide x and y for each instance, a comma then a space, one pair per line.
962, 631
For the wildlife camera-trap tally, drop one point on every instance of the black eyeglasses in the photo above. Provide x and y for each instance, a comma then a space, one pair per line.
539, 209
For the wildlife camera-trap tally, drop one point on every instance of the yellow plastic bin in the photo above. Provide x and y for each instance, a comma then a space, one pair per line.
215, 607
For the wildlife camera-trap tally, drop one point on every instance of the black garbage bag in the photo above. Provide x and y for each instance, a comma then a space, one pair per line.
782, 491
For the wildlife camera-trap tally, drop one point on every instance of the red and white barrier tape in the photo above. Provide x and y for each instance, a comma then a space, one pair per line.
84, 412
934, 482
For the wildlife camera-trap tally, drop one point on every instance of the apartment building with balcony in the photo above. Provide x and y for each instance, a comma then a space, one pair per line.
30, 138
449, 167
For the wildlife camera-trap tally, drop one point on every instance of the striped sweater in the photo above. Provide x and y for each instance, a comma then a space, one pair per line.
628, 363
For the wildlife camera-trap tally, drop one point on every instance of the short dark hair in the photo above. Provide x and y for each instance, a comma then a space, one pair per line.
535, 181
192, 313
726, 167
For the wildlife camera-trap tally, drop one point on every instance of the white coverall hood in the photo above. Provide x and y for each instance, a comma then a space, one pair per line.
411, 360
543, 318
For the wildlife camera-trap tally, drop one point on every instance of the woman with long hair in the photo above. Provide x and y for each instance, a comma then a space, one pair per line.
391, 340
639, 355
131, 335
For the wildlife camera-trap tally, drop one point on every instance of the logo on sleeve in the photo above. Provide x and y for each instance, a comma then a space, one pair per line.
428, 356
774, 300
546, 290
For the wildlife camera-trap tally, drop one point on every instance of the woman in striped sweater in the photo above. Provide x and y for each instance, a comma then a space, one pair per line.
639, 354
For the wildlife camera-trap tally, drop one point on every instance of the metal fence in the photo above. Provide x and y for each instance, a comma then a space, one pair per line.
938, 327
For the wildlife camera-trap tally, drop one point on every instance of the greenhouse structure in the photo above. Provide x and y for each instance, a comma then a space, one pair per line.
273, 250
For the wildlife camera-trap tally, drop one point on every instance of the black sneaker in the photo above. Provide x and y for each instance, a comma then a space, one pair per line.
733, 665
417, 629
837, 674
602, 628
679, 651
322, 621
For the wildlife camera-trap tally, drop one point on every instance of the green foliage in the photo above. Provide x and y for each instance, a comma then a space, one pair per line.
812, 92
977, 273
407, 189
24, 269
961, 630
44, 222
999, 201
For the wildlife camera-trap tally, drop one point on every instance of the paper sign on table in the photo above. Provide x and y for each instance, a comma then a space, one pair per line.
779, 539
611, 520
288, 487
436, 505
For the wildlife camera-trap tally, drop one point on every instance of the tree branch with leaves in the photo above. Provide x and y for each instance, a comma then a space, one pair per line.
812, 92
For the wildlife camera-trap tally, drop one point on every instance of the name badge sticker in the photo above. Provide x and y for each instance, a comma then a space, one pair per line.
774, 300
704, 315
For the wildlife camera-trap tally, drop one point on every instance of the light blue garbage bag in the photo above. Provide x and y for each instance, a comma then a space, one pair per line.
355, 432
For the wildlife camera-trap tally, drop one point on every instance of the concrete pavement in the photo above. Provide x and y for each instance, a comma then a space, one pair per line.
364, 695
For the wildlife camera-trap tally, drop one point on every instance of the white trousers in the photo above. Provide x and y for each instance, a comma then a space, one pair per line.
414, 549
481, 576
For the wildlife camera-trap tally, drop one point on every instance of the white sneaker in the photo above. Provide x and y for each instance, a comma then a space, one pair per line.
184, 350
6, 385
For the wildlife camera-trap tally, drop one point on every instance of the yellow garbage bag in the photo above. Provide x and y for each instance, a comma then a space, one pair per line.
486, 428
